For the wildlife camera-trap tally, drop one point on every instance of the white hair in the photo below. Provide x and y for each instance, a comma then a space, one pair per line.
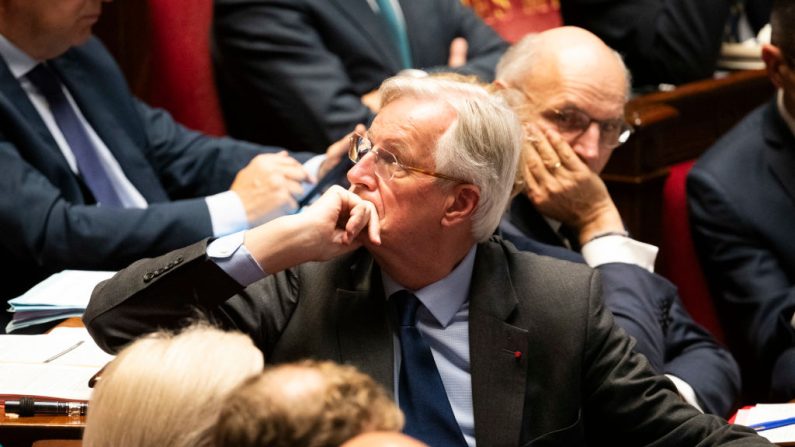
481, 146
166, 390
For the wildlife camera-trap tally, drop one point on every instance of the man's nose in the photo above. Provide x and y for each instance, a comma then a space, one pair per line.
587, 144
363, 172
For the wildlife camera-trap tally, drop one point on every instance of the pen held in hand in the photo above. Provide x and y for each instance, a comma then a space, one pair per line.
773, 424
65, 351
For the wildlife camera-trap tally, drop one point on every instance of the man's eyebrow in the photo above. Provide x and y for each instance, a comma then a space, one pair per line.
394, 145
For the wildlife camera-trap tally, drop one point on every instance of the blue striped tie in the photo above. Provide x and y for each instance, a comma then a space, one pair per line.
429, 416
88, 163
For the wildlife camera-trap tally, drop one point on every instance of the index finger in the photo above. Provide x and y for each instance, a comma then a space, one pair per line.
568, 158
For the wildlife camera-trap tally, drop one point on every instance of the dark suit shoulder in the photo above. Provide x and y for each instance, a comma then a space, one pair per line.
731, 155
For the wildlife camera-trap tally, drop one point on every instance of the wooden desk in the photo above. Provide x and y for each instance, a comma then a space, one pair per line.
23, 431
672, 127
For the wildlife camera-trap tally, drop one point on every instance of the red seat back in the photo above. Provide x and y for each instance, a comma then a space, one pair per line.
512, 19
182, 77
679, 262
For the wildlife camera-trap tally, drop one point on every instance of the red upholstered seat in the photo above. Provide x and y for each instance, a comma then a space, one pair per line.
679, 261
182, 77
512, 19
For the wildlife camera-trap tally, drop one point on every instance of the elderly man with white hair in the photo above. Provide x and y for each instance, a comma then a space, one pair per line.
480, 344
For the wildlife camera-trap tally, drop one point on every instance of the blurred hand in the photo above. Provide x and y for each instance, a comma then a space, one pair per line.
337, 151
458, 53
372, 100
269, 183
334, 225
562, 187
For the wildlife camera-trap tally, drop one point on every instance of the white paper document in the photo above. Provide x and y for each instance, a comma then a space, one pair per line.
762, 413
57, 365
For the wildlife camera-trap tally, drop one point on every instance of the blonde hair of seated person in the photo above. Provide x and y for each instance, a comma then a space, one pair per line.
306, 404
166, 389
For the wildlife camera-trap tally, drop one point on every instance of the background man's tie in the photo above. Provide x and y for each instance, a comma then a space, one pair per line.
429, 416
397, 31
88, 162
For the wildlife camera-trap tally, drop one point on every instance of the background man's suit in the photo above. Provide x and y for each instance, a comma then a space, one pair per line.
577, 377
648, 307
48, 220
291, 72
741, 195
672, 41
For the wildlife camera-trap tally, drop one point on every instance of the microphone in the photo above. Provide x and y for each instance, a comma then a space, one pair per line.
27, 406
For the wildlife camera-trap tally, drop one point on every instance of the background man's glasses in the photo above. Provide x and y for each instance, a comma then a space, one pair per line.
572, 123
386, 164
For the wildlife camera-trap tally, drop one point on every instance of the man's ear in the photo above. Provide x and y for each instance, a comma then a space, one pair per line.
498, 85
461, 204
774, 63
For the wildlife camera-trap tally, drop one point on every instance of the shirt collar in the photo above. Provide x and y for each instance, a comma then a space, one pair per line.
17, 60
444, 297
785, 115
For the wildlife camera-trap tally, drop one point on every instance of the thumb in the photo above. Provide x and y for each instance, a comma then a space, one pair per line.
458, 52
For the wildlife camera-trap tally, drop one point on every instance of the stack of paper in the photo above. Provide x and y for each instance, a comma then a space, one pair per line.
57, 365
766, 413
60, 296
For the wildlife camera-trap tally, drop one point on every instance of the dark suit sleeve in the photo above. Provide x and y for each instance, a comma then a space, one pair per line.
38, 223
191, 164
648, 308
626, 403
673, 41
694, 356
183, 286
638, 306
275, 50
742, 270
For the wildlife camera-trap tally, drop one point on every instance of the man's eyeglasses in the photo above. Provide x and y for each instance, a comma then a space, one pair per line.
386, 164
572, 123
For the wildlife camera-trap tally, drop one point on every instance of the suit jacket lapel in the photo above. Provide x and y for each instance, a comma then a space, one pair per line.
18, 101
363, 324
498, 352
524, 216
780, 148
44, 152
91, 100
374, 27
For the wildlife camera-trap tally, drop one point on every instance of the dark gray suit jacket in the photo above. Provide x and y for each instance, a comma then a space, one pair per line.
741, 195
578, 379
291, 72
648, 307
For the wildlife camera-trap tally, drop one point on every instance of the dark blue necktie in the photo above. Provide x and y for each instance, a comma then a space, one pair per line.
429, 416
397, 31
88, 162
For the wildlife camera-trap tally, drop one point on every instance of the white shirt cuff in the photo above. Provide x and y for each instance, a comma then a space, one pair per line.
792, 322
226, 213
609, 249
233, 257
686, 391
